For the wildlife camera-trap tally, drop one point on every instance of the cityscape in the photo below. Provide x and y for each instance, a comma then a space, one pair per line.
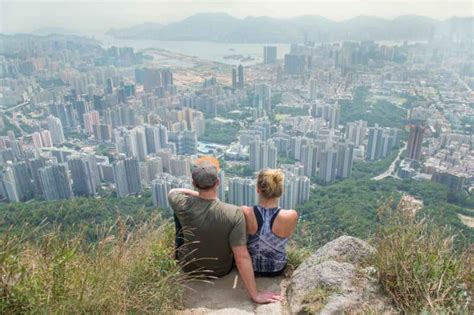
82, 120
302, 157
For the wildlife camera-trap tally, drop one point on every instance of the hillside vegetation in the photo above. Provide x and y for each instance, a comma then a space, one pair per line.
380, 112
349, 208
87, 216
125, 272
418, 265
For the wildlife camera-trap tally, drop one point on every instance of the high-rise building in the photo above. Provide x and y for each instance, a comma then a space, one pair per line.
55, 182
269, 54
165, 155
35, 165
355, 132
234, 78
200, 125
46, 139
329, 112
180, 166
151, 168
161, 186
374, 146
185, 141
295, 190
304, 186
221, 189
241, 81
262, 155
313, 89
263, 96
154, 78
415, 141
90, 119
102, 132
295, 64
83, 175
66, 114
56, 128
153, 142
23, 181
334, 116
242, 191
345, 160
81, 107
140, 142
36, 140
127, 177
309, 158
9, 184
132, 142
328, 164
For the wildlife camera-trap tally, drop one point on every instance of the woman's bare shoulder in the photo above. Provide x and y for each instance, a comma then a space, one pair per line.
288, 214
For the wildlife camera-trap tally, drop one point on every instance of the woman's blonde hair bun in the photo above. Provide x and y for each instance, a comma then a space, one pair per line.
270, 183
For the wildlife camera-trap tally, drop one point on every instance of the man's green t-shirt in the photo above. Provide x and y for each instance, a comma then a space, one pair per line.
211, 228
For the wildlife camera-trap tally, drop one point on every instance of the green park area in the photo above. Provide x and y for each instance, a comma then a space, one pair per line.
379, 111
220, 132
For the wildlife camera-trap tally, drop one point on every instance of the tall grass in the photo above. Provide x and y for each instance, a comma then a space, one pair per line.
418, 265
126, 272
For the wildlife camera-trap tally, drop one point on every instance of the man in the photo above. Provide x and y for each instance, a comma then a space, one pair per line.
213, 232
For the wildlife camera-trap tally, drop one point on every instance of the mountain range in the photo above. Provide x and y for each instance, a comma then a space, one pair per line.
222, 27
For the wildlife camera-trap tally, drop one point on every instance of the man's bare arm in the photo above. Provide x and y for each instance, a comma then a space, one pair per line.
244, 265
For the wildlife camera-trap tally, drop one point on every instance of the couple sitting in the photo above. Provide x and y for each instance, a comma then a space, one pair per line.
212, 235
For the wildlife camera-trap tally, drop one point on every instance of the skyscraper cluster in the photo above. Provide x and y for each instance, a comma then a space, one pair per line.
296, 189
127, 177
263, 154
356, 131
163, 184
242, 191
381, 142
329, 112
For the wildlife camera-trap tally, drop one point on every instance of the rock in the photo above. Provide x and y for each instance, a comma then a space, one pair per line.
332, 282
343, 249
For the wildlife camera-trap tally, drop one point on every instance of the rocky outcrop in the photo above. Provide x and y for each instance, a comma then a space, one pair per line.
334, 281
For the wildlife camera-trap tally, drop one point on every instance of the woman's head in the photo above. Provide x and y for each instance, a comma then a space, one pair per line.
270, 183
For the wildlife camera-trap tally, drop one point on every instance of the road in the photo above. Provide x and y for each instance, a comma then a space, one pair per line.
463, 82
392, 166
15, 107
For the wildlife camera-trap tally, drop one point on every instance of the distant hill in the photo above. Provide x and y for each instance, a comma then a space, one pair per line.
142, 30
222, 27
53, 30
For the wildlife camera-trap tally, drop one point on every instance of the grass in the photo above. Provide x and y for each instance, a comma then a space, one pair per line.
316, 299
419, 267
125, 272
296, 256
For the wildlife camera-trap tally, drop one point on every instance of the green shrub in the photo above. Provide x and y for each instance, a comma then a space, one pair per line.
296, 256
125, 272
418, 265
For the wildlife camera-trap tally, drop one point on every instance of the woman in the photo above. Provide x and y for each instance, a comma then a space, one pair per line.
269, 226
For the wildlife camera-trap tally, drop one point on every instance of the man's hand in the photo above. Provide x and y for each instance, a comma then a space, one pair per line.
267, 297
244, 265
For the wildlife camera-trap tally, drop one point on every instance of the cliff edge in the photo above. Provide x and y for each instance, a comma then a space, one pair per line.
331, 281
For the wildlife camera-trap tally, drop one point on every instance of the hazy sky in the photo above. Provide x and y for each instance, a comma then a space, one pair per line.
96, 16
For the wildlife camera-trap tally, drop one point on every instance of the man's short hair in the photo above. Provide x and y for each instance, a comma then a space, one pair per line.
205, 172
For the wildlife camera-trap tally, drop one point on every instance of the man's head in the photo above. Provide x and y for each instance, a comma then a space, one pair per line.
205, 173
